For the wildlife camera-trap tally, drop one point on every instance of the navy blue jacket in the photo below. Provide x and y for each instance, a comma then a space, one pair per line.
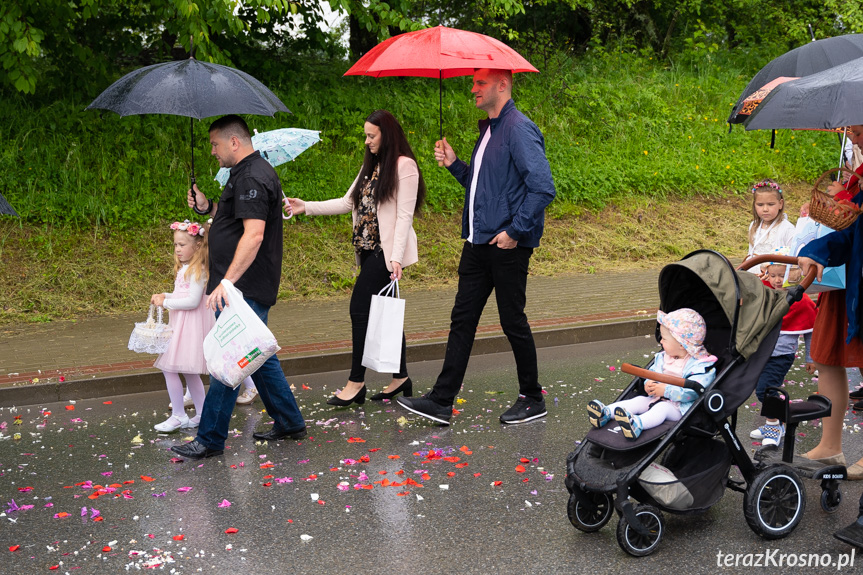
515, 183
835, 249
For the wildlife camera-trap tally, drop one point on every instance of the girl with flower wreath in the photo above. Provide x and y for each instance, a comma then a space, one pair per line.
770, 227
190, 321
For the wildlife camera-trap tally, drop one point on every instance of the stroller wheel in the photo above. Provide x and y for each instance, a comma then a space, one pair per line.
634, 542
589, 520
830, 500
774, 502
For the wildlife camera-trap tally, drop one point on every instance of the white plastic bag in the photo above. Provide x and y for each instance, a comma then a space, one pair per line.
383, 349
664, 486
239, 343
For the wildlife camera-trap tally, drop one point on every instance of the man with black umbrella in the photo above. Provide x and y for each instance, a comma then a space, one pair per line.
245, 249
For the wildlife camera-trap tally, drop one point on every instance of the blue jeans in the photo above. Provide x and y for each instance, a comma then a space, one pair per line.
272, 386
773, 374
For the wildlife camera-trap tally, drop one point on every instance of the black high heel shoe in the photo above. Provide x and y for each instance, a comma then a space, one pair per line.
407, 388
359, 399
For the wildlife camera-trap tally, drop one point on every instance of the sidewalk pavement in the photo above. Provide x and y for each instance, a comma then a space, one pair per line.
88, 358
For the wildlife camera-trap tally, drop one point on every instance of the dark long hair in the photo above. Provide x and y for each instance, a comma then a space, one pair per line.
393, 145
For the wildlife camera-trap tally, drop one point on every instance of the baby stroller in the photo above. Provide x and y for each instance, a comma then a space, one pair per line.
743, 319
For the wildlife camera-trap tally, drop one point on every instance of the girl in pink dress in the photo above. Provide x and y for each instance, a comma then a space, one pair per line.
190, 320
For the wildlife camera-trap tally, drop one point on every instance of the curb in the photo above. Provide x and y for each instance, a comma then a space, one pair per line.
303, 365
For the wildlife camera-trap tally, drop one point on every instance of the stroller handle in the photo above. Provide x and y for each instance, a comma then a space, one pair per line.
763, 259
654, 375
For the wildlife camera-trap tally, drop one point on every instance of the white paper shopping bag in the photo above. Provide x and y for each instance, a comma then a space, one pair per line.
383, 349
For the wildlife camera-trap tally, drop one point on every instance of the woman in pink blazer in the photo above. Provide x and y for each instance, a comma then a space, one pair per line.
383, 199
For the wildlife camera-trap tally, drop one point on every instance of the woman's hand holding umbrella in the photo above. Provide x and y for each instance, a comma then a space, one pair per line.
297, 206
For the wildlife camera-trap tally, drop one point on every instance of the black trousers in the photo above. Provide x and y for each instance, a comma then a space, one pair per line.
483, 268
373, 277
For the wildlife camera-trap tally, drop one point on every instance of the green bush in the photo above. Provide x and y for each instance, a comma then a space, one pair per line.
613, 122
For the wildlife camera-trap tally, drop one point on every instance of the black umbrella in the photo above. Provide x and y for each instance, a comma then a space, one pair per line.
826, 100
6, 209
808, 59
188, 88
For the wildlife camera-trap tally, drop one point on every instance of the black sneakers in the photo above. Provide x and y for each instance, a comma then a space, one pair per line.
427, 408
523, 410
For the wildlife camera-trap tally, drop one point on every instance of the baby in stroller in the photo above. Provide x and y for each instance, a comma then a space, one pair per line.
683, 354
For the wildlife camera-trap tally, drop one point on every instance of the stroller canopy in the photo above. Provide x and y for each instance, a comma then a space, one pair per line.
739, 310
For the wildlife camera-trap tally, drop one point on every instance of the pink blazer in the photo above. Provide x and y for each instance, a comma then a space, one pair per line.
395, 218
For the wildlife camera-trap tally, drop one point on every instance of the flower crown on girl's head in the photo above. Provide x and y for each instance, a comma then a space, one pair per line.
767, 184
193, 228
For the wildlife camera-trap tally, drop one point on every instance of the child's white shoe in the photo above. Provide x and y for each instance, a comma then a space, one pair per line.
192, 422
248, 396
172, 424
187, 400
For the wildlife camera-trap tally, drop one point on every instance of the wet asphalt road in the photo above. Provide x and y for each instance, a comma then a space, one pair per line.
461, 504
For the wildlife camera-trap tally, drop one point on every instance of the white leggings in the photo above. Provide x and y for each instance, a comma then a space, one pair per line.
650, 416
175, 391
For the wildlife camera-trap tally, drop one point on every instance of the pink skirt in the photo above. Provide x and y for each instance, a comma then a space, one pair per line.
186, 351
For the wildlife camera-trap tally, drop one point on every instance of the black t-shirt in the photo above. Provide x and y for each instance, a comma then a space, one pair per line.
253, 192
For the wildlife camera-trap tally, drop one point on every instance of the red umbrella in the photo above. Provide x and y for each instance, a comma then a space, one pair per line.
438, 52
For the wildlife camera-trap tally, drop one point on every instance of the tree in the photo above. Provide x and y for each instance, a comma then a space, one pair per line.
58, 38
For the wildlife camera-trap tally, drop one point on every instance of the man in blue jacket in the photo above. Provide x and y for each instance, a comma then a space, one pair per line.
507, 185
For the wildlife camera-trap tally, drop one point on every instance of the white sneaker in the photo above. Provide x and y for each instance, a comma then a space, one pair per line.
171, 424
248, 396
187, 400
192, 422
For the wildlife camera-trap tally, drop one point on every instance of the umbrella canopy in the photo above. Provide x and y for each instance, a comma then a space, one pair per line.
438, 52
826, 100
752, 101
188, 88
278, 147
6, 209
808, 59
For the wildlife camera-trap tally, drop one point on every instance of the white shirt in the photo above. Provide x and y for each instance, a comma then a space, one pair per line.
190, 300
477, 163
780, 233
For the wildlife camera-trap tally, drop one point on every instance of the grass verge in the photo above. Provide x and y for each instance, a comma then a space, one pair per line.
68, 272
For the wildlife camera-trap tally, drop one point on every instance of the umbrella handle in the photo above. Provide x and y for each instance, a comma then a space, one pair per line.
440, 103
192, 144
286, 207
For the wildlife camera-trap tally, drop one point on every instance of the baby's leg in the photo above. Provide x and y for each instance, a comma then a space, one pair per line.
656, 415
636, 405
